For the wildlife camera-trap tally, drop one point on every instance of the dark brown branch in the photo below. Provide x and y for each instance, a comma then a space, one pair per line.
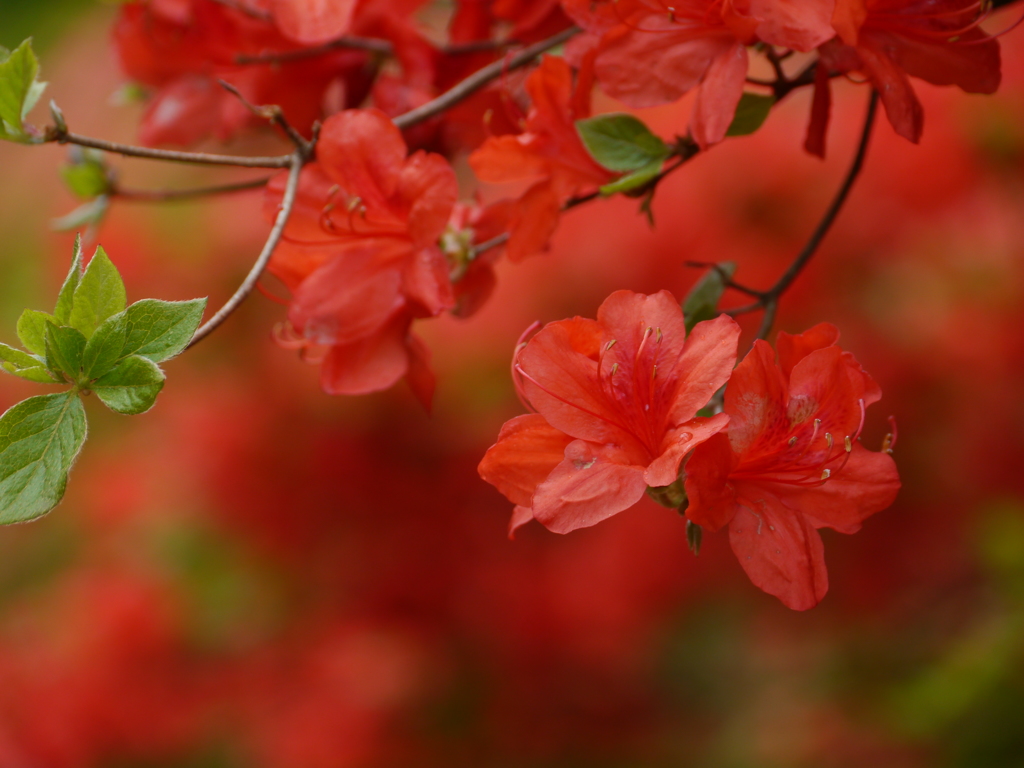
173, 156
298, 160
371, 44
480, 78
162, 195
275, 115
769, 300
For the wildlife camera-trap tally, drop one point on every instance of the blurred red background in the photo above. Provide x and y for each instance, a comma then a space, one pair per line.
257, 574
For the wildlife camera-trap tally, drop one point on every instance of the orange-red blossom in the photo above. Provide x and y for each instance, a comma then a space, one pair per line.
615, 403
791, 462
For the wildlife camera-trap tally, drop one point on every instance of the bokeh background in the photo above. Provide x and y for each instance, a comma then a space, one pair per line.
255, 574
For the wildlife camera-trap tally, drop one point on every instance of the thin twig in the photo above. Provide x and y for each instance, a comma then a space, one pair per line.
248, 11
480, 78
371, 44
298, 160
769, 300
197, 158
272, 113
161, 195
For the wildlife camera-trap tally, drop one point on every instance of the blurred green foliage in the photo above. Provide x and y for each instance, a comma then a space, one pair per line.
42, 20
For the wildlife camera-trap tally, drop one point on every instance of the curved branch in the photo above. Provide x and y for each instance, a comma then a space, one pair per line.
480, 78
298, 160
197, 158
768, 300
161, 195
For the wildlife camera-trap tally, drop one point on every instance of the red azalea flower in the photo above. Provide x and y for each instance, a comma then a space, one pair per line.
938, 41
549, 149
615, 400
650, 52
181, 49
791, 462
361, 253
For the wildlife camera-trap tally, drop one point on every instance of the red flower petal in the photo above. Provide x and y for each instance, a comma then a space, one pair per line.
780, 551
369, 365
679, 441
363, 151
649, 60
720, 93
348, 298
313, 21
527, 450
867, 484
756, 400
712, 500
792, 349
588, 486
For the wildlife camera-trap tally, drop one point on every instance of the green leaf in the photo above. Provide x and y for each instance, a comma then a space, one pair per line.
621, 142
131, 387
64, 348
105, 348
634, 180
66, 297
751, 113
32, 330
87, 176
160, 330
99, 294
19, 91
39, 441
702, 301
86, 215
22, 364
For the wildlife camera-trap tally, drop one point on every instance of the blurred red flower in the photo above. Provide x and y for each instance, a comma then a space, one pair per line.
791, 462
548, 150
649, 53
938, 41
615, 400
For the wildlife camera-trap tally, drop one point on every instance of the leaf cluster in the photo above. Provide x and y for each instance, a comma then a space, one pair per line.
98, 344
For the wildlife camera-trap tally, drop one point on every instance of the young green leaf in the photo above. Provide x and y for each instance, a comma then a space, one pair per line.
39, 441
621, 142
634, 180
88, 215
160, 330
99, 294
22, 364
701, 302
87, 175
66, 297
132, 386
32, 330
105, 348
19, 91
64, 348
751, 113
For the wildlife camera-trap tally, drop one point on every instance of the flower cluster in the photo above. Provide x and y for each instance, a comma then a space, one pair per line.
361, 254
380, 238
615, 404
